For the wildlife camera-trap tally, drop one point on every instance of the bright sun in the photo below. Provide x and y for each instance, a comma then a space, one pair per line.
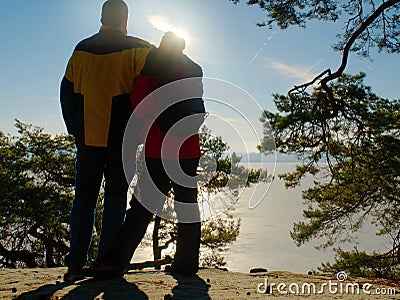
161, 23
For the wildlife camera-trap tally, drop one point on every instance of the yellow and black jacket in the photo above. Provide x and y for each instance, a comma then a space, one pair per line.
95, 91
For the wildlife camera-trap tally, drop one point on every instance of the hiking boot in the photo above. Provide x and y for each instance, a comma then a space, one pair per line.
173, 269
73, 274
103, 271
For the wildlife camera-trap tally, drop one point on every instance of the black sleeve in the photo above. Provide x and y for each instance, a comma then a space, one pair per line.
68, 105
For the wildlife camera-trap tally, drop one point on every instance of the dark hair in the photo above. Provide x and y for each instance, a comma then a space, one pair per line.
173, 41
114, 13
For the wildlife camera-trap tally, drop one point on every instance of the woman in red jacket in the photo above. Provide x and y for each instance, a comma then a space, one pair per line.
171, 162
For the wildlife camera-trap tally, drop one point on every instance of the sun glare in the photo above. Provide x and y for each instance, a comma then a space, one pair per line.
161, 23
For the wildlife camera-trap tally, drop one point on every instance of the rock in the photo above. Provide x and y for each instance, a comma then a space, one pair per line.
258, 270
14, 290
208, 283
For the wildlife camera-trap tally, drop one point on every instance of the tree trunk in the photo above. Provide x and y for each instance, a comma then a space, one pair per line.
50, 245
156, 248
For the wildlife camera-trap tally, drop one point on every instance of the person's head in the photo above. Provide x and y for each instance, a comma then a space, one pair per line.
114, 13
172, 42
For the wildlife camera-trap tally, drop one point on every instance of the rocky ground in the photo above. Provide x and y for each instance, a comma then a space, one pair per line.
209, 284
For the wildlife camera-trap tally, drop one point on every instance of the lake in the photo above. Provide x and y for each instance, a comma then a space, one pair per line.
264, 239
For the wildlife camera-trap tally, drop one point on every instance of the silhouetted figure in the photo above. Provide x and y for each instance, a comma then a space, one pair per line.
167, 154
95, 101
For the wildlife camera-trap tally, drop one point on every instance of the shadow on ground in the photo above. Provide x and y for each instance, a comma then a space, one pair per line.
187, 287
89, 289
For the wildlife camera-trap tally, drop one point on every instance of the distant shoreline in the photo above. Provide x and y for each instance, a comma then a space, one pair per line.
254, 157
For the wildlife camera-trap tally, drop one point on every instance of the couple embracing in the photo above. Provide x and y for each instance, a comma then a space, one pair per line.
112, 78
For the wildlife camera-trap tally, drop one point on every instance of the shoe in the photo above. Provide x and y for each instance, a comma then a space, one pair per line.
103, 271
173, 269
73, 274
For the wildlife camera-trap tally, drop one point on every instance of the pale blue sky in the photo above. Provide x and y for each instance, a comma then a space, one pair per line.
38, 38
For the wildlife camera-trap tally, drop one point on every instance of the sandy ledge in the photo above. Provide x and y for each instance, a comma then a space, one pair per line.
209, 284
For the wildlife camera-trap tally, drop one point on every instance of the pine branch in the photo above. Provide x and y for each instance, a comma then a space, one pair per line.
345, 54
20, 255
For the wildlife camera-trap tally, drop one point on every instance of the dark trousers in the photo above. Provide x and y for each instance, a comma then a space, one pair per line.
141, 212
91, 164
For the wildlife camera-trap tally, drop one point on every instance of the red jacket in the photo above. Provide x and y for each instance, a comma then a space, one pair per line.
174, 147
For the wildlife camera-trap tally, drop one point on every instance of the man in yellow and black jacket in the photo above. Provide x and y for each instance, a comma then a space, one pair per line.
95, 102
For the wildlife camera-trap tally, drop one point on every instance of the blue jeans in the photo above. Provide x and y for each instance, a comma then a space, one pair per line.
91, 164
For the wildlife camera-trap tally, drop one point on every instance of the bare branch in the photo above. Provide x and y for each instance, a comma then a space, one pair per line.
331, 76
303, 87
151, 264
